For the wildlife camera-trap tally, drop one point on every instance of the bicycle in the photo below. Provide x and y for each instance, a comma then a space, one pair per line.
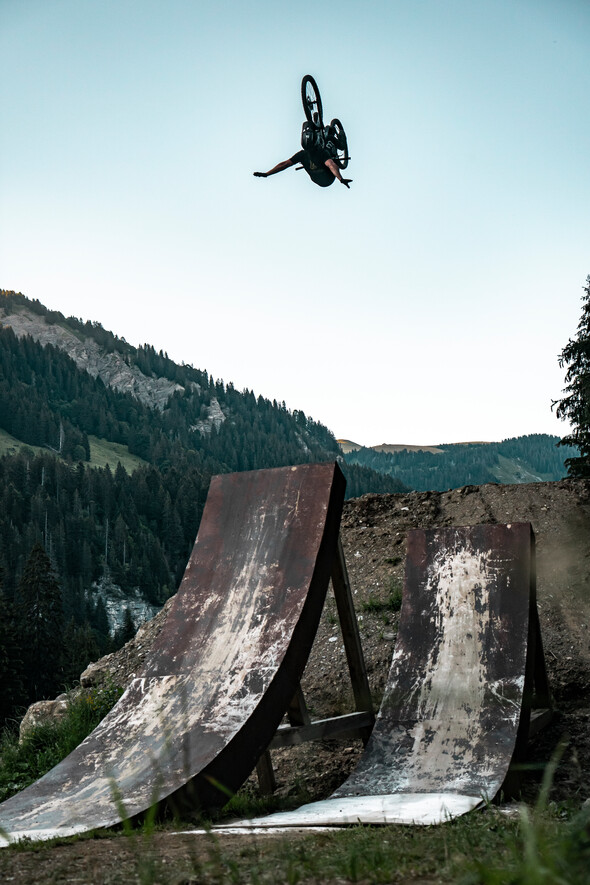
332, 137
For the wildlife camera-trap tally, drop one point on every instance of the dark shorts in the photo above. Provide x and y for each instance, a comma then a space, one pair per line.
314, 164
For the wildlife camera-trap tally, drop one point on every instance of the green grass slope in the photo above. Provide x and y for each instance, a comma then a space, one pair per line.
102, 452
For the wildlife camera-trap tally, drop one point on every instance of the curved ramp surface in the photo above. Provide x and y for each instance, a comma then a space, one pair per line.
223, 669
456, 700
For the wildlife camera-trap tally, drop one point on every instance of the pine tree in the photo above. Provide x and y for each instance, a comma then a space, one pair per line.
127, 630
575, 406
11, 683
99, 621
80, 648
40, 618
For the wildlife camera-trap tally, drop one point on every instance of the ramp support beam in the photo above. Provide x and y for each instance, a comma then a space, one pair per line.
352, 725
350, 633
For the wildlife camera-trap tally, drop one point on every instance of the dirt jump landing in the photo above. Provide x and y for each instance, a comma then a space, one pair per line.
457, 705
223, 670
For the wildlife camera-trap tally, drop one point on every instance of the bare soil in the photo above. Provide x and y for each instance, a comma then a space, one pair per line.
374, 530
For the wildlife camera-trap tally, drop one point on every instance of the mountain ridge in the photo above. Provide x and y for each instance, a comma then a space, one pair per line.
125, 367
112, 367
159, 384
535, 457
237, 429
347, 445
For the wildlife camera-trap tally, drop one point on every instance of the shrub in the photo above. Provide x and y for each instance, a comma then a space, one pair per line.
23, 763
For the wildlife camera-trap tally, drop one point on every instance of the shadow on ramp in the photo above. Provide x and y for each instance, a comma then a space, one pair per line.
223, 670
467, 670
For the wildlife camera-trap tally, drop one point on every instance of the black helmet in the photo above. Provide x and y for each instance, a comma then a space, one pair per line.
308, 136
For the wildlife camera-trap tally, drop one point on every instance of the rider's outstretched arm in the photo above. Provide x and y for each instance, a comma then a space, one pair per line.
280, 167
335, 170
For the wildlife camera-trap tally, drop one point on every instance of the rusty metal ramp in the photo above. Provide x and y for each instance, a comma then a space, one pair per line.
223, 670
457, 704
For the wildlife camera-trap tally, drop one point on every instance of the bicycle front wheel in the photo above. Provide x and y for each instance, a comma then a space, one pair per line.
312, 102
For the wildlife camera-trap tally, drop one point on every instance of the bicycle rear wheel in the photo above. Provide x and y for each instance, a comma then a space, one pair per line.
312, 102
341, 143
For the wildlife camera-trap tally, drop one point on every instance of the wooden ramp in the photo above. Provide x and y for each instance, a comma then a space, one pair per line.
467, 670
223, 670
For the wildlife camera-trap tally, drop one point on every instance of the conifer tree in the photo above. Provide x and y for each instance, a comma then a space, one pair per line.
127, 630
99, 621
575, 406
11, 683
80, 649
40, 617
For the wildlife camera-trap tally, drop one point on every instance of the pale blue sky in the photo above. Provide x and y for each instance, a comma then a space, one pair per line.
426, 304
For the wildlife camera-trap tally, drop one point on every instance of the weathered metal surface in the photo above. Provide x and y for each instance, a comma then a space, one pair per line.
223, 669
456, 700
397, 808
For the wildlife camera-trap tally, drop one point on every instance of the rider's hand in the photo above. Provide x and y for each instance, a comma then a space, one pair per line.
345, 181
260, 174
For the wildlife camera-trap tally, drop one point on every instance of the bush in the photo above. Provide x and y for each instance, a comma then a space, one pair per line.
23, 763
392, 603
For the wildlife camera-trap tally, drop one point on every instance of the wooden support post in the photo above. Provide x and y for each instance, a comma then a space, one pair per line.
266, 775
359, 724
351, 725
297, 712
298, 716
541, 691
350, 632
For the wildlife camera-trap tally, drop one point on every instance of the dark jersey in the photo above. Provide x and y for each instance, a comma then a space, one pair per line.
313, 163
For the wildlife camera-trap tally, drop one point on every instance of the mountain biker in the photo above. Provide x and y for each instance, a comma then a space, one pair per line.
316, 157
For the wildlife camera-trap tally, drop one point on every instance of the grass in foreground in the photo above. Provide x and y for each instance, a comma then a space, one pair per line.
482, 848
544, 845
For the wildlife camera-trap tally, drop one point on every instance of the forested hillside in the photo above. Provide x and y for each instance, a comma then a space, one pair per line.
67, 524
531, 458
250, 431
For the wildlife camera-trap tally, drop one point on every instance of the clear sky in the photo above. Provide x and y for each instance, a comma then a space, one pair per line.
427, 304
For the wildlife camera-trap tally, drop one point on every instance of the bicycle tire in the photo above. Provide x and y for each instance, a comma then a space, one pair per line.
342, 158
312, 100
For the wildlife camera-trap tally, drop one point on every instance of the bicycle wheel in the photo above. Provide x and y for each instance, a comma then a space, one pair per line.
341, 143
312, 102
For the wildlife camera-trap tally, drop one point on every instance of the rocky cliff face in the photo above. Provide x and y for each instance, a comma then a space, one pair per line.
215, 418
112, 368
116, 603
